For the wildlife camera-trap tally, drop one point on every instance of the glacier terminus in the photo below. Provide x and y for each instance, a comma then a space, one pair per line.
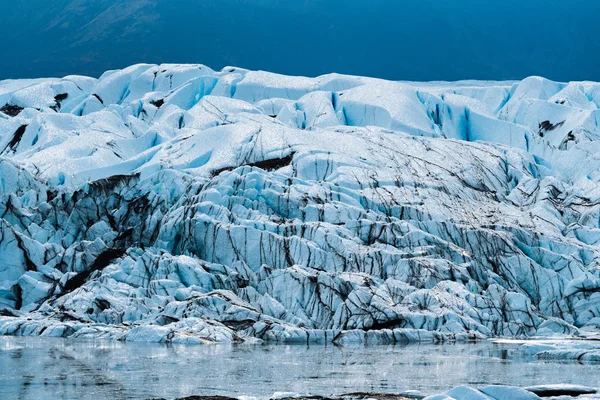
179, 204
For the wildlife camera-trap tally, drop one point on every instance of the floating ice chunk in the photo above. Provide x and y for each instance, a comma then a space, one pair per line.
494, 392
561, 390
499, 392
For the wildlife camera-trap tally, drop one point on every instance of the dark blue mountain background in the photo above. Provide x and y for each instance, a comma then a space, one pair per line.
394, 39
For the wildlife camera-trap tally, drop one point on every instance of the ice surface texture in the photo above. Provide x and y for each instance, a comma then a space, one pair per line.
498, 392
175, 203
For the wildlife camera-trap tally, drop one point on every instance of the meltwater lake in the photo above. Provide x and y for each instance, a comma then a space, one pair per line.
33, 368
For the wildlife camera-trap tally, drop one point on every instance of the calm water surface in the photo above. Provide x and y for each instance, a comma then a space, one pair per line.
41, 368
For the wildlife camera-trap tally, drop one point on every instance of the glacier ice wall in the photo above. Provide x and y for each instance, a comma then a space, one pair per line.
175, 203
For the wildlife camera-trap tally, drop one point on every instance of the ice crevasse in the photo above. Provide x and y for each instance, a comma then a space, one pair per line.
175, 203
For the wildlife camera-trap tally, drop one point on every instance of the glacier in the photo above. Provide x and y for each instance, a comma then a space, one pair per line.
176, 203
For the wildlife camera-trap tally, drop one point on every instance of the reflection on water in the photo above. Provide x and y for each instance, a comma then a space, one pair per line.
38, 368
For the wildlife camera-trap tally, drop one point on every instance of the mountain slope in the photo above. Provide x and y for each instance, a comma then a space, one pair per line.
411, 39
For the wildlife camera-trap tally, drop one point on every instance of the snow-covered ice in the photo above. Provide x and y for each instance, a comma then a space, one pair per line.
175, 203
